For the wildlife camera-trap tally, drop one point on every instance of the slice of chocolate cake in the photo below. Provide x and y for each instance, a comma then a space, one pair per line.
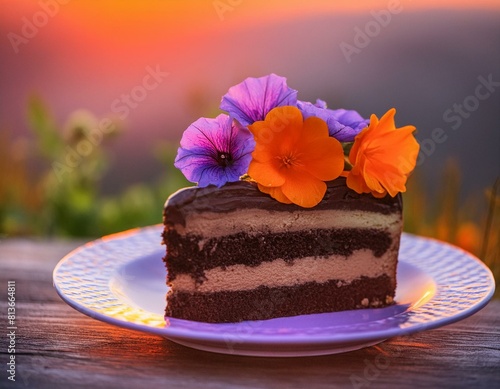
235, 254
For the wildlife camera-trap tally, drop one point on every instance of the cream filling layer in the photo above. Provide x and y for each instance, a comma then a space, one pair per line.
255, 221
278, 273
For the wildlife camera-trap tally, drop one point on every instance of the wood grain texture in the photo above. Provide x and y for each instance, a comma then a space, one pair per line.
58, 347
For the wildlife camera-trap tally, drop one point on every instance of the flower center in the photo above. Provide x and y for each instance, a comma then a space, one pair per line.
224, 159
287, 161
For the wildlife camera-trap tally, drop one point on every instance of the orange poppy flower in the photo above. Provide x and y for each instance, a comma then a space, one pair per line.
293, 157
382, 157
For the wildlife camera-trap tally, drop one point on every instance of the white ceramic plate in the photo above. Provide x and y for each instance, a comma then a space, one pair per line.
120, 279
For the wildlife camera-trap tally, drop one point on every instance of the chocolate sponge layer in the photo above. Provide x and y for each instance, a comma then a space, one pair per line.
184, 254
266, 303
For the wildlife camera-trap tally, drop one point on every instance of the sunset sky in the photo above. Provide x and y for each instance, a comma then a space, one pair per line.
114, 39
87, 54
128, 30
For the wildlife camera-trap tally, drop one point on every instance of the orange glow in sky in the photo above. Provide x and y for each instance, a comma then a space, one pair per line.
131, 23
136, 26
111, 29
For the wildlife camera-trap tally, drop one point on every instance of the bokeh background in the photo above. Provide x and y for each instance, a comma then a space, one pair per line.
71, 67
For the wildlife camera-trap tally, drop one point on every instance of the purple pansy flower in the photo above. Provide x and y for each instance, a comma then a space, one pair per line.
214, 151
252, 99
343, 124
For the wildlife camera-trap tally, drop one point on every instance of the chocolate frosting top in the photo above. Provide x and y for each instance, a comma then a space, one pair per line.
246, 195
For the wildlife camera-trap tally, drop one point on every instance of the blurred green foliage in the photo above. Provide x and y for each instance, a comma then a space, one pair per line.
63, 199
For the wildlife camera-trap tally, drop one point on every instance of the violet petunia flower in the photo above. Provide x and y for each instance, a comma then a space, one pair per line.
343, 124
214, 151
252, 99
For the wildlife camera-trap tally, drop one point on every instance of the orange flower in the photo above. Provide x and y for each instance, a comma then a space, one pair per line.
293, 157
382, 157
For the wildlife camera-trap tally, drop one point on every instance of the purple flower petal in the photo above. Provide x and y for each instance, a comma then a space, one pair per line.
252, 99
343, 124
319, 103
214, 151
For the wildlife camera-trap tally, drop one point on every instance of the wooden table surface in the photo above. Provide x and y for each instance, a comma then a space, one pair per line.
58, 347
